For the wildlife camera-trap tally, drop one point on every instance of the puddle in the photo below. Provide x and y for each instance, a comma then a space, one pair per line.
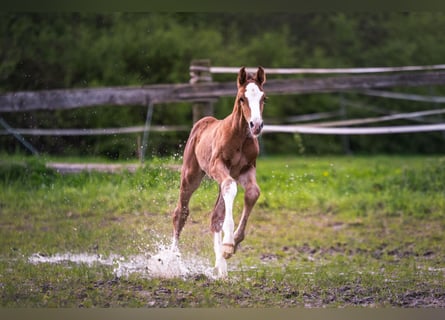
79, 258
163, 264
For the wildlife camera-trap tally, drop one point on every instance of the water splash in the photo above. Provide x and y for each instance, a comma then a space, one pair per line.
79, 258
165, 263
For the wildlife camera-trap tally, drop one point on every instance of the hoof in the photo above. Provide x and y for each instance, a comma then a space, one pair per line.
228, 250
220, 274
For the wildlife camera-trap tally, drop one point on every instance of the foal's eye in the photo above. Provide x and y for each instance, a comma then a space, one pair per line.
241, 100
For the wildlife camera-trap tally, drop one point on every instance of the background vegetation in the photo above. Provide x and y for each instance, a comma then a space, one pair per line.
72, 50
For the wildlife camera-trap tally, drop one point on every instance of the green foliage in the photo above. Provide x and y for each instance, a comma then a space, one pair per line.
30, 174
69, 50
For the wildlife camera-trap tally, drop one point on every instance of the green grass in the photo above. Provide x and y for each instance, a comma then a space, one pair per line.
329, 231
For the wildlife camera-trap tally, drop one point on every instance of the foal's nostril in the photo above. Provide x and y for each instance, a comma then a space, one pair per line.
251, 124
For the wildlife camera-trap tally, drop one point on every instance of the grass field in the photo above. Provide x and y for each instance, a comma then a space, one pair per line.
328, 231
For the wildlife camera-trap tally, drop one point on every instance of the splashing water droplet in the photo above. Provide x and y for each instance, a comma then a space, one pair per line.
165, 263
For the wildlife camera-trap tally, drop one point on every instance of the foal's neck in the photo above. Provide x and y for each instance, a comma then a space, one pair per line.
238, 124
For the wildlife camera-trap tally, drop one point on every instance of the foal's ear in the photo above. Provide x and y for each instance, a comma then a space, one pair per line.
242, 77
260, 75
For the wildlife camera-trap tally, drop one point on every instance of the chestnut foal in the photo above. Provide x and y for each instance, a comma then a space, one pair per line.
225, 150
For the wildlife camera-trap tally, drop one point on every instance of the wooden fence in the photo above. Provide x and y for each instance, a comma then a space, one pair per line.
201, 91
204, 91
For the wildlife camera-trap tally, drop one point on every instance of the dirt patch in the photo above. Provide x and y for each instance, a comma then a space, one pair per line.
65, 168
344, 249
357, 295
422, 298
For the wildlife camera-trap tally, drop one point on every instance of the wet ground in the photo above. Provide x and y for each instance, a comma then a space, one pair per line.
168, 266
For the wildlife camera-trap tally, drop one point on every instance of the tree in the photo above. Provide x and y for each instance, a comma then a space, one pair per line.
66, 50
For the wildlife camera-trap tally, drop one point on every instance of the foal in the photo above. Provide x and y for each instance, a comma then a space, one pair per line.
225, 150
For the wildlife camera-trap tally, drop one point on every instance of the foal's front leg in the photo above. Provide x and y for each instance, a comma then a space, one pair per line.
220, 261
251, 195
229, 190
224, 241
224, 246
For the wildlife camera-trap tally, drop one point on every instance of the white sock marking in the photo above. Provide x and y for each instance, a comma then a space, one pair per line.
229, 225
220, 262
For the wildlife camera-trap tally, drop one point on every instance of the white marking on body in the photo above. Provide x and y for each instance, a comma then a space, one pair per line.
220, 263
174, 245
254, 95
229, 225
223, 247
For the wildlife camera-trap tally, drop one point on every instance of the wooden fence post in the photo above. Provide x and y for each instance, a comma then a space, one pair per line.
200, 73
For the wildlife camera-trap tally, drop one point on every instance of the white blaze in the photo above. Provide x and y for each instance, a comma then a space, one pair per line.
254, 95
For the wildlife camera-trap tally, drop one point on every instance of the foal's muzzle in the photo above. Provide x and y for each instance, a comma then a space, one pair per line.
256, 127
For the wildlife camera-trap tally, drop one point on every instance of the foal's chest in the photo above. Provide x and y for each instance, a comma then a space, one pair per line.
241, 156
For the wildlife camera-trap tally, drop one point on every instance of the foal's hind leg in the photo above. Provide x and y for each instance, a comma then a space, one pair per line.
216, 224
191, 176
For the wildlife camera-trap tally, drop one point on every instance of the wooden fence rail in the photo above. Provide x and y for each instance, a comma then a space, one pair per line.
167, 93
283, 71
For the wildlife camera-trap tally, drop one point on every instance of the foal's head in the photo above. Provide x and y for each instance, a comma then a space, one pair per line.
251, 98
